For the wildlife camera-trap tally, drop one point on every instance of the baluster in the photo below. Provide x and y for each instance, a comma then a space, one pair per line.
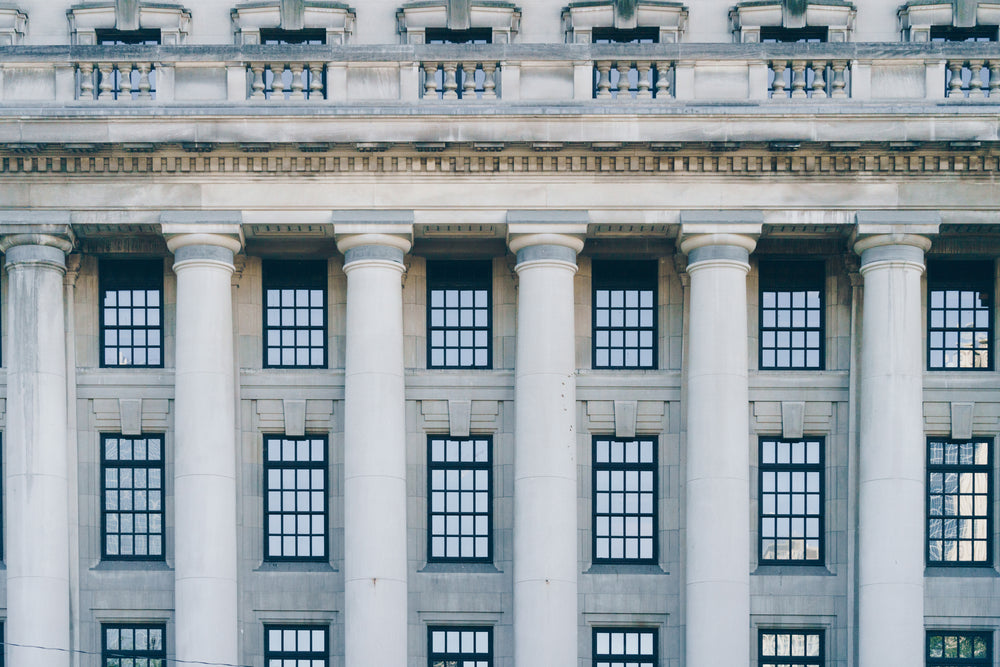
994, 66
604, 80
257, 82
624, 94
315, 81
955, 85
107, 82
450, 81
468, 81
86, 81
976, 80
644, 92
430, 81
298, 85
145, 87
798, 79
839, 80
819, 80
662, 80
125, 82
277, 81
778, 86
490, 82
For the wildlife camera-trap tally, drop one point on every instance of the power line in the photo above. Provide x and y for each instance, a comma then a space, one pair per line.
167, 659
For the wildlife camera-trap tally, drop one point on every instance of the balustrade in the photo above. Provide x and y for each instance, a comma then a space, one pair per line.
116, 81
973, 79
279, 81
813, 79
460, 80
625, 80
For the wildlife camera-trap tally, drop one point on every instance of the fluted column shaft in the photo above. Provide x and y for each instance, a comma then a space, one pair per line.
892, 456
36, 475
718, 484
545, 493
374, 453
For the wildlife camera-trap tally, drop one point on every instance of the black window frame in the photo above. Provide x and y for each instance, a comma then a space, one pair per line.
763, 660
943, 661
806, 35
115, 274
276, 36
599, 659
281, 466
437, 658
790, 467
449, 36
640, 467
974, 468
282, 655
961, 276
133, 465
108, 655
612, 275
977, 33
461, 275
295, 275
139, 37
639, 35
474, 467
791, 275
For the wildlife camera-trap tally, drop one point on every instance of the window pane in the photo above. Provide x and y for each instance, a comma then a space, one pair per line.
132, 509
624, 500
295, 499
959, 502
459, 330
294, 314
624, 315
460, 470
790, 501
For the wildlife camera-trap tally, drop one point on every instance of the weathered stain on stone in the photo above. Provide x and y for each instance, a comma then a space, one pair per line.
626, 9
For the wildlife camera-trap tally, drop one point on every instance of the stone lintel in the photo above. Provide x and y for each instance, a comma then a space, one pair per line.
548, 219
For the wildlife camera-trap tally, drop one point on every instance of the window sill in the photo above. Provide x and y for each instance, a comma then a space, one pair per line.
460, 568
792, 571
135, 565
960, 571
625, 568
292, 566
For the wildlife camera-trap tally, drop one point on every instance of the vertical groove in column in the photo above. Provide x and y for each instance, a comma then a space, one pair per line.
36, 474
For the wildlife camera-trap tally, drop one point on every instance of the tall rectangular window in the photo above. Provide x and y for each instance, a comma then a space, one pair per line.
296, 646
791, 315
624, 501
626, 647
460, 646
295, 503
624, 298
459, 320
791, 648
959, 315
295, 317
133, 645
959, 496
132, 486
957, 648
460, 508
131, 312
791, 501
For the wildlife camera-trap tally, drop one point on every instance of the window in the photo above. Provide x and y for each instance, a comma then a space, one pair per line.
791, 501
132, 520
959, 494
295, 504
134, 645
296, 646
454, 646
791, 315
460, 509
131, 313
809, 35
625, 492
624, 314
960, 314
460, 326
294, 314
785, 648
280, 36
626, 647
950, 648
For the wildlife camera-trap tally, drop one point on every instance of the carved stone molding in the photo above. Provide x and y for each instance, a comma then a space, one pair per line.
86, 19
747, 18
13, 23
916, 18
414, 18
336, 19
580, 18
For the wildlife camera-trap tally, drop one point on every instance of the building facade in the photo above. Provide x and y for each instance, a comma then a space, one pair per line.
461, 332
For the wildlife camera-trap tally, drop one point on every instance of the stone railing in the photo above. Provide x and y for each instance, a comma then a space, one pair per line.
594, 76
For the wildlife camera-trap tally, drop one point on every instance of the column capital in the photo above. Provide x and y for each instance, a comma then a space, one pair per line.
384, 236
719, 235
186, 229
49, 229
901, 228
546, 235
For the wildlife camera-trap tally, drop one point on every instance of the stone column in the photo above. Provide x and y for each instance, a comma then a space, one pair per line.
718, 444
892, 456
545, 442
205, 560
375, 554
36, 475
